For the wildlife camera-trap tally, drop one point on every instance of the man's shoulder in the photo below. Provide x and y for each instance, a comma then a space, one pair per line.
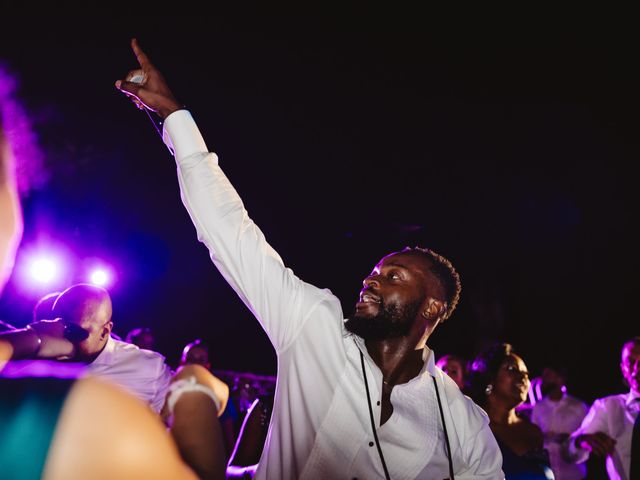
461, 405
611, 400
130, 350
574, 401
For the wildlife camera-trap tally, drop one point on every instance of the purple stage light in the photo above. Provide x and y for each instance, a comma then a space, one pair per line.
44, 270
44, 267
100, 277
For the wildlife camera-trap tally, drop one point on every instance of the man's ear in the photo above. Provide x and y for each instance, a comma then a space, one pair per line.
106, 330
434, 309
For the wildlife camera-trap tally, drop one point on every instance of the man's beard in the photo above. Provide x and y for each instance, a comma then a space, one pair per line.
391, 321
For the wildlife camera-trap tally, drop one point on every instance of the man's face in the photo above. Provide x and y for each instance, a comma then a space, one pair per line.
95, 340
630, 366
392, 298
551, 380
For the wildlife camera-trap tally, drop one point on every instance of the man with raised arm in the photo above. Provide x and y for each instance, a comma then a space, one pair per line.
356, 398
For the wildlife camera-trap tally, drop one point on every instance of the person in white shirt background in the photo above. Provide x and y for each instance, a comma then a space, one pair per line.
558, 414
607, 430
360, 398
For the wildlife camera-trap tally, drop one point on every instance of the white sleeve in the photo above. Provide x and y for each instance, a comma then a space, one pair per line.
482, 455
595, 421
162, 381
278, 299
475, 450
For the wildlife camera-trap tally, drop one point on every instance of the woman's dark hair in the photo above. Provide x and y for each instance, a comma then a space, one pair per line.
484, 370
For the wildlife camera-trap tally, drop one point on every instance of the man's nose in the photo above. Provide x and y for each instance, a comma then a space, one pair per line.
371, 280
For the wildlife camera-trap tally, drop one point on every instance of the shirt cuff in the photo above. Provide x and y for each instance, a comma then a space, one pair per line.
181, 135
576, 453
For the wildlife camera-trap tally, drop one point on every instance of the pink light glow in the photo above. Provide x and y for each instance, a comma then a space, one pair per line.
44, 270
99, 277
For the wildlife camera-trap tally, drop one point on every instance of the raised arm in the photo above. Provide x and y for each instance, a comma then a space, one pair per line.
279, 300
147, 87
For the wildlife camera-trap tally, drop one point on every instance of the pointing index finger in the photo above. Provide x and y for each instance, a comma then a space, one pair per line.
143, 60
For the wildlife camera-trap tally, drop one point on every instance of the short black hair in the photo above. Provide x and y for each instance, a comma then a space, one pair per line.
446, 274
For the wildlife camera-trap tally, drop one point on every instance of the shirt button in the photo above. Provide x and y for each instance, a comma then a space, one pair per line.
371, 444
378, 402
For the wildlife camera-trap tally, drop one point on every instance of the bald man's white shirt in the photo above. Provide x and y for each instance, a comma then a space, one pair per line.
142, 373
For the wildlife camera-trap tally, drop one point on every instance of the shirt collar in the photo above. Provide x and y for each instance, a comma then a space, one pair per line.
107, 352
428, 356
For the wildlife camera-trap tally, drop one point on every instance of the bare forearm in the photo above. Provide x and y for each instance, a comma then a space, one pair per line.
24, 343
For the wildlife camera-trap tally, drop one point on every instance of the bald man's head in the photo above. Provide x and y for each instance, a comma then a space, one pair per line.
89, 307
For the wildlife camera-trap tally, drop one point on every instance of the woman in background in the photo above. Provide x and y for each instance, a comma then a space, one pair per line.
499, 382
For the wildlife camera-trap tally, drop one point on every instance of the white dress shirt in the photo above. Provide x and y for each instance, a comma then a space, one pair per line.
615, 416
555, 418
141, 372
320, 427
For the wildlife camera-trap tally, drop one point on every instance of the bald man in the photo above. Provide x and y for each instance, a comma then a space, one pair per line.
86, 311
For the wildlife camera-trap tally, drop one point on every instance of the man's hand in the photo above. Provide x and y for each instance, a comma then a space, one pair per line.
53, 341
152, 91
598, 443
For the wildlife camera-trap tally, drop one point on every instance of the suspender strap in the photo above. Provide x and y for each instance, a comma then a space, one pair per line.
375, 433
373, 423
444, 427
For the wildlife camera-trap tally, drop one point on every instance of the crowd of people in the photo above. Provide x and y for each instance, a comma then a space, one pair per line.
356, 397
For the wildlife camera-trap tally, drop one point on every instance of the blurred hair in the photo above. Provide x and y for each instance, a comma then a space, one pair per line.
455, 358
136, 333
15, 126
186, 351
635, 341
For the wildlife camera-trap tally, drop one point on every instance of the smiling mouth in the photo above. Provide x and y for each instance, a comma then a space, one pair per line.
369, 298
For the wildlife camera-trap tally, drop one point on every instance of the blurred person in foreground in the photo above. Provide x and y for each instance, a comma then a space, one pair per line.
558, 414
59, 425
339, 381
611, 428
56, 426
15, 139
499, 382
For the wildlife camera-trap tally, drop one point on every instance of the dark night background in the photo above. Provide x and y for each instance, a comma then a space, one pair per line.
509, 147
